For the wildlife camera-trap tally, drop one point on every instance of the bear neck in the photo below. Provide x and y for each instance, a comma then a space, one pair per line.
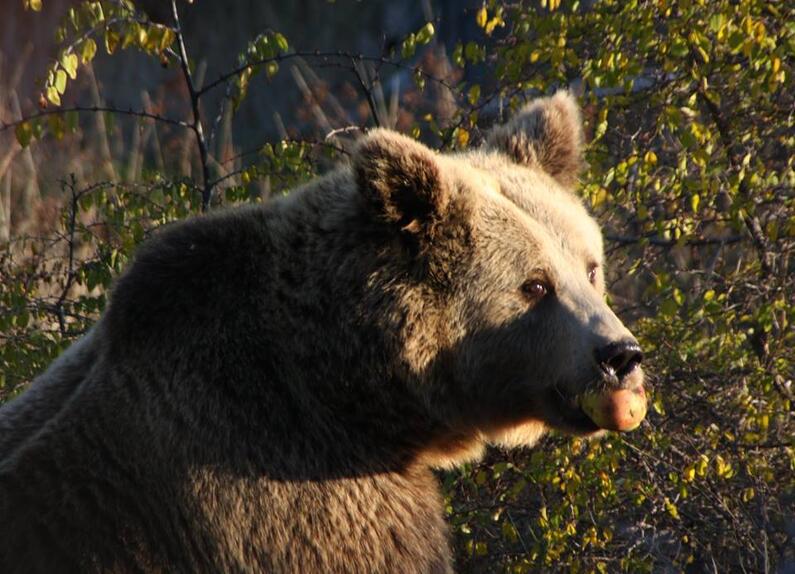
289, 354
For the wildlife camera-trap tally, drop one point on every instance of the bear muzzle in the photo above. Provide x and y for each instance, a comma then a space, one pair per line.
620, 403
613, 399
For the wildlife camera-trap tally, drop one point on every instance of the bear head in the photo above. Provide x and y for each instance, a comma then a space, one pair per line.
499, 316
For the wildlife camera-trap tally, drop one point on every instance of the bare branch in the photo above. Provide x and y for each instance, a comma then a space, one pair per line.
327, 57
660, 242
356, 67
94, 109
70, 272
195, 95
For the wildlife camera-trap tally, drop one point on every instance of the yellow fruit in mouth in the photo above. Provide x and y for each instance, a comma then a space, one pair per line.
615, 409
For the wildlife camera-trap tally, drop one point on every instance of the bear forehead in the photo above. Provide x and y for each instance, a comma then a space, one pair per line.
531, 200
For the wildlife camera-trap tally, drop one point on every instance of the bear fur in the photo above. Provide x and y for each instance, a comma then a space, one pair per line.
272, 386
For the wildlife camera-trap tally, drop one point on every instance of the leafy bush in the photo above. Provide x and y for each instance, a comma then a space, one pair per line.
689, 109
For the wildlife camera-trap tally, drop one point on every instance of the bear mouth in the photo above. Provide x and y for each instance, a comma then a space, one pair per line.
565, 414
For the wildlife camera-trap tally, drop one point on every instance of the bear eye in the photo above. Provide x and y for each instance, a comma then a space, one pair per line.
592, 273
535, 289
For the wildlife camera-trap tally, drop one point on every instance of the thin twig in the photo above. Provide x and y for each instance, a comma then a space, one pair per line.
658, 241
94, 109
195, 96
346, 130
340, 55
356, 66
70, 273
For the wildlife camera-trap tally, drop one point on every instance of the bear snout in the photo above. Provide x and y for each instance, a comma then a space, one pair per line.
619, 404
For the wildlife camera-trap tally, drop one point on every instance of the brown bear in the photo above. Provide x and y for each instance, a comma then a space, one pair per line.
272, 385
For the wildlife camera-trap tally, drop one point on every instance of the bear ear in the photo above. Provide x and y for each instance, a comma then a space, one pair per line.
401, 178
546, 133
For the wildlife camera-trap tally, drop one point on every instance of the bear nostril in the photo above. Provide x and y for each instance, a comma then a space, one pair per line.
619, 359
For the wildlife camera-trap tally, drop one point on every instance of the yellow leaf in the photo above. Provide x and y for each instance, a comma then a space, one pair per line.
34, 5
88, 51
60, 81
671, 508
650, 157
493, 23
69, 64
482, 17
694, 201
143, 35
722, 468
167, 39
111, 40
53, 95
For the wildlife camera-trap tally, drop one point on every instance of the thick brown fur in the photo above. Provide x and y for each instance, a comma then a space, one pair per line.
546, 133
271, 386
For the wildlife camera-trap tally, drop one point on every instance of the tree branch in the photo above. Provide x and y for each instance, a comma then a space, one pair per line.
368, 90
752, 224
327, 56
195, 95
94, 109
660, 242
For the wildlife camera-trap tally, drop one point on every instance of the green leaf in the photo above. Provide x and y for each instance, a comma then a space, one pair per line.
57, 126
281, 42
668, 307
71, 121
409, 47
419, 79
474, 94
24, 133
458, 55
425, 34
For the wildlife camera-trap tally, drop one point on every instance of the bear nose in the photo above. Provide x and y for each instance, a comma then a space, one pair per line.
619, 358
